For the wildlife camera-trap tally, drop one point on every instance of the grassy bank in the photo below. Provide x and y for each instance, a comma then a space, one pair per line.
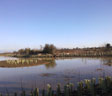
32, 56
64, 53
109, 54
84, 88
50, 51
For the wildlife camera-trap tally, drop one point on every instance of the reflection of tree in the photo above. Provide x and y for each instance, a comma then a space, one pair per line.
51, 64
107, 61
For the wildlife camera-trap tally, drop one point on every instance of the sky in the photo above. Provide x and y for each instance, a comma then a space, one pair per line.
64, 23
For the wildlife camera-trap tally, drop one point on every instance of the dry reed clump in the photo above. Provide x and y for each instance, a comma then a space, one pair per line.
84, 88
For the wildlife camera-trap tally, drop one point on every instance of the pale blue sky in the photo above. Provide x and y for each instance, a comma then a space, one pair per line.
64, 23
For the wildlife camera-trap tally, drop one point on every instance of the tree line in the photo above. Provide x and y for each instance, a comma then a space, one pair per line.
48, 49
51, 49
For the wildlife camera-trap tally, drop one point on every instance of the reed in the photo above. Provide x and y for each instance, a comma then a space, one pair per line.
58, 92
84, 88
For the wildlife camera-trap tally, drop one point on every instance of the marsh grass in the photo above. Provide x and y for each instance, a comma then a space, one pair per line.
26, 62
84, 88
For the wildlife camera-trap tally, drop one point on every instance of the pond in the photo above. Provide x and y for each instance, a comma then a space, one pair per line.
63, 70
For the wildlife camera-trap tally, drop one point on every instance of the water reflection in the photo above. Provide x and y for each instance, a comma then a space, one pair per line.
107, 61
51, 64
14, 62
57, 71
2, 58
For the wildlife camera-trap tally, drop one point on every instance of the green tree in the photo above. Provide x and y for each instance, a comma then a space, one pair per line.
50, 49
21, 51
27, 51
108, 45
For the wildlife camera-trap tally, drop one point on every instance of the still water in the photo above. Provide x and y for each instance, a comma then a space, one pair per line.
62, 71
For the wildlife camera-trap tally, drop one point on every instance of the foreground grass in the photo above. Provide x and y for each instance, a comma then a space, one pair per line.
84, 88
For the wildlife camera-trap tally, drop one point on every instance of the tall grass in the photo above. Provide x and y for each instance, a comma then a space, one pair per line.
29, 61
84, 88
